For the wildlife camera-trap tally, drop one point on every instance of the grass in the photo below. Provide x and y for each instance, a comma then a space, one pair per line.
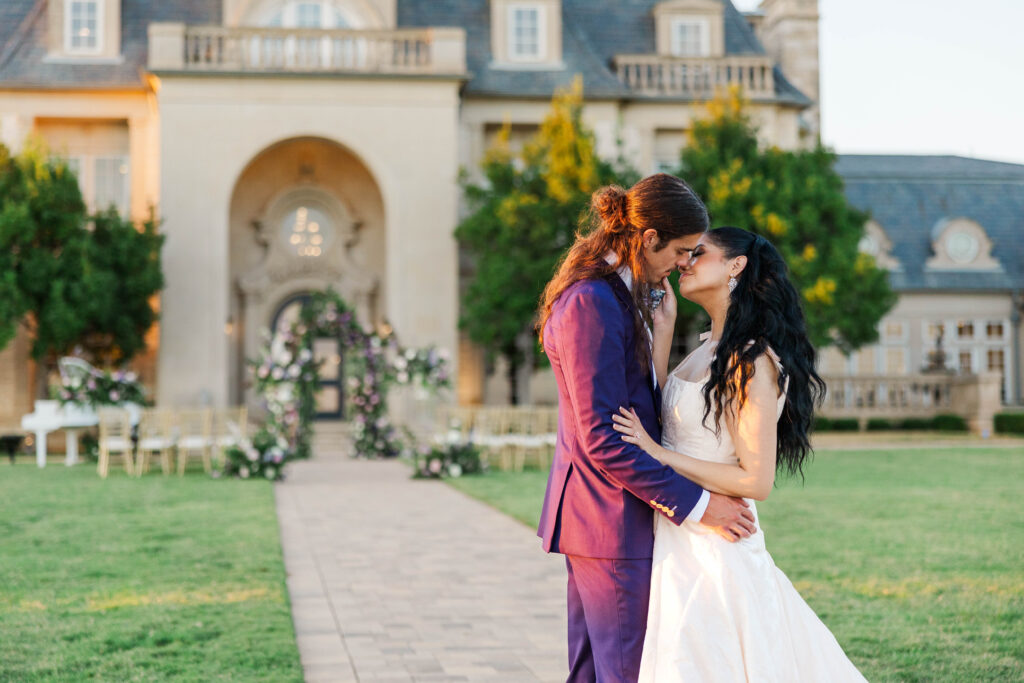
914, 558
149, 579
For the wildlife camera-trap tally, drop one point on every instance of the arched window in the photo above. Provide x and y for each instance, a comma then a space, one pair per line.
310, 14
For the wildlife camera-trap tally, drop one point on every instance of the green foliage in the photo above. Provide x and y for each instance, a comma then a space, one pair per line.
949, 423
838, 424
881, 424
75, 280
1009, 423
450, 460
523, 217
794, 199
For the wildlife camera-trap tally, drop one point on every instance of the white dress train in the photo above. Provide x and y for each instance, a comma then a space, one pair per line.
719, 611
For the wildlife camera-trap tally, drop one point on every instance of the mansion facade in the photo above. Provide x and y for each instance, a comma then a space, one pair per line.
292, 145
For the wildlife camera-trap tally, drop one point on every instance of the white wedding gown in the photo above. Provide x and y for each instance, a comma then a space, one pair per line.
720, 611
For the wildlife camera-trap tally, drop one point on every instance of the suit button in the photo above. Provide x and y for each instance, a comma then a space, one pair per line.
654, 503
671, 513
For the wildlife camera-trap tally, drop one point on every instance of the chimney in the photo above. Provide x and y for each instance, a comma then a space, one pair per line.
789, 32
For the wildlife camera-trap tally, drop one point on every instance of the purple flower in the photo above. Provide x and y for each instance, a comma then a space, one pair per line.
115, 396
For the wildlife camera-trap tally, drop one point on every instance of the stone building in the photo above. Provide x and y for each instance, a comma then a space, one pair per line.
291, 145
950, 231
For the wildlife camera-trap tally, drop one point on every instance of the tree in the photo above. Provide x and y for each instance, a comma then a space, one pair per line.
72, 280
795, 200
522, 219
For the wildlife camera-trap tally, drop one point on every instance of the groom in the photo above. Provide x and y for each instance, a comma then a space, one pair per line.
602, 493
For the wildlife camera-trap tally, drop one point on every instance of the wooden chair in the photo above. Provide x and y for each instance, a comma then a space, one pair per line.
115, 438
155, 437
193, 436
229, 429
491, 432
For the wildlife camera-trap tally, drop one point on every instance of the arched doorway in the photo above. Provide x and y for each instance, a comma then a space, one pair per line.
327, 351
306, 215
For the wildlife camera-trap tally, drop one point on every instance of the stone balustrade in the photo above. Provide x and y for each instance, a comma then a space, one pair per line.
696, 77
973, 397
418, 51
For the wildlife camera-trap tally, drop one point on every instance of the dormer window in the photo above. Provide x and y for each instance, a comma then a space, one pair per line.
525, 30
690, 37
83, 24
961, 244
690, 28
526, 34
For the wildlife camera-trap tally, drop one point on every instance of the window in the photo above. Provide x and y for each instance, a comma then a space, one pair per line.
866, 361
894, 331
690, 38
82, 23
308, 15
895, 362
526, 33
996, 360
994, 329
104, 181
965, 329
111, 183
966, 366
307, 231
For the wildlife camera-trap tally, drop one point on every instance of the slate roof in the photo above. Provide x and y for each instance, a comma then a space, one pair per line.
592, 34
909, 195
22, 54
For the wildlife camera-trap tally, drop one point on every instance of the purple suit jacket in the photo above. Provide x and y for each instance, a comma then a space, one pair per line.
602, 491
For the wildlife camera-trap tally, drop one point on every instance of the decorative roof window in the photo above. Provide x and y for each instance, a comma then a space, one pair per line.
84, 30
526, 33
961, 244
690, 28
308, 14
877, 244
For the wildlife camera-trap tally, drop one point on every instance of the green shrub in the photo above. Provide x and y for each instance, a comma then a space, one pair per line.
881, 424
846, 424
916, 423
1009, 423
821, 424
949, 423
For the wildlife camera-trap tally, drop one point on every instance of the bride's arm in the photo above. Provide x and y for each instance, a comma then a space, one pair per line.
753, 431
664, 318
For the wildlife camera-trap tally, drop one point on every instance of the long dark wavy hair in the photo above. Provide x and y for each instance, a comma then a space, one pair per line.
765, 308
616, 223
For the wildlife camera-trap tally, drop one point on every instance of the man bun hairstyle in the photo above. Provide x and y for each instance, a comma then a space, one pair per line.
611, 205
615, 224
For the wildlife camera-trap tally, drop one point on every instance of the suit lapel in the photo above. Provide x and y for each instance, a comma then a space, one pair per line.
624, 296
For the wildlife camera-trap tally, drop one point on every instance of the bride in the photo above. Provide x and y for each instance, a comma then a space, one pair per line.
736, 410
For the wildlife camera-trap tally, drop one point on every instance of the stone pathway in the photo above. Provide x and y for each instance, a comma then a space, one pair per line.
394, 579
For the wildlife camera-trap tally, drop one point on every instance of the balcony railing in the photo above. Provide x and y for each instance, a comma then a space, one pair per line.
426, 51
696, 77
974, 397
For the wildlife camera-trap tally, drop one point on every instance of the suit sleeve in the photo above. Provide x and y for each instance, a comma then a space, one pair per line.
592, 349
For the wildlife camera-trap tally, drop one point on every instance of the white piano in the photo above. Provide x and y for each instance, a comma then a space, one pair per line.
49, 416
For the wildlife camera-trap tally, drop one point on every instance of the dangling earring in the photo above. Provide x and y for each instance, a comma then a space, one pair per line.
732, 283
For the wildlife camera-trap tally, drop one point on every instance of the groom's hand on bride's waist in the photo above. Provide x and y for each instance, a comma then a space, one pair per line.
730, 517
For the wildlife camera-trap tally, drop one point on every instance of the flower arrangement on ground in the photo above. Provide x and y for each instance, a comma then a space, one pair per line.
263, 456
448, 460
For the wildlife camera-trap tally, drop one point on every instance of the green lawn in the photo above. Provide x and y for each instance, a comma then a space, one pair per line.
914, 558
149, 579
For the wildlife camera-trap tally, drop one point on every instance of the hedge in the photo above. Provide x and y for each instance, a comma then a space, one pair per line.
1009, 423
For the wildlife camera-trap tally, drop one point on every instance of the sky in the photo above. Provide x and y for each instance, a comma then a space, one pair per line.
922, 76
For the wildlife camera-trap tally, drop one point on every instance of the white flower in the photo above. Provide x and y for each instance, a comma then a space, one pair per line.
410, 354
305, 355
454, 470
277, 373
403, 378
454, 436
401, 363
436, 465
252, 454
243, 472
269, 473
353, 382
294, 371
